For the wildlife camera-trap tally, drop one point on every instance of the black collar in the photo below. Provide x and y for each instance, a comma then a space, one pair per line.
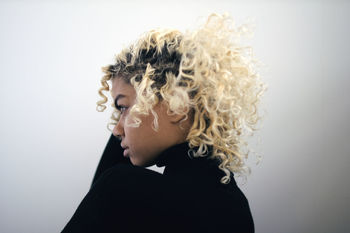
174, 155
181, 154
178, 160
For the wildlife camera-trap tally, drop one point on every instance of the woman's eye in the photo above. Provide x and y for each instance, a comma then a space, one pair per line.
122, 109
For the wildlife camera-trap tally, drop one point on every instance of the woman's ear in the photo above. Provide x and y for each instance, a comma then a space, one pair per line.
173, 117
176, 118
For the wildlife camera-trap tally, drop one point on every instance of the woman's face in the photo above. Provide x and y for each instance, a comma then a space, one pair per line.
142, 144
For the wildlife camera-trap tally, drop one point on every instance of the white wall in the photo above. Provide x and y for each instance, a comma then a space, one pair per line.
52, 137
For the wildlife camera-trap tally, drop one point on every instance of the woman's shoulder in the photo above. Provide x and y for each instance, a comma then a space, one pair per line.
147, 194
129, 189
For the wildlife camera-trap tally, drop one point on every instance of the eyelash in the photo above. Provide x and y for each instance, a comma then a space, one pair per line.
120, 107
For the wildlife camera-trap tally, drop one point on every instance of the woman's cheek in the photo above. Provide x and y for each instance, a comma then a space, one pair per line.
127, 128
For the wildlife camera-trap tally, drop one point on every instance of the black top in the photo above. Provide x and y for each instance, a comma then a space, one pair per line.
187, 197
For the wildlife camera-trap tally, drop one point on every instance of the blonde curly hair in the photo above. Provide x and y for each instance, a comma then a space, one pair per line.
206, 72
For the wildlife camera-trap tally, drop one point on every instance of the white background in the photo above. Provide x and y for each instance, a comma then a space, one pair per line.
51, 54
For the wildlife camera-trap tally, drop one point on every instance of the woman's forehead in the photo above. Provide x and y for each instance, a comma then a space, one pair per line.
122, 89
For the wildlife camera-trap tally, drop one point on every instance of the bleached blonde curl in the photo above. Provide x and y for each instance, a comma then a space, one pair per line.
206, 72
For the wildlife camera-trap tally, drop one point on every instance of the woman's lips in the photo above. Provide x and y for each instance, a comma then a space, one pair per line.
126, 151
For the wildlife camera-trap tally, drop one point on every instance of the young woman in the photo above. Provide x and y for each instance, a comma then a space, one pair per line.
183, 101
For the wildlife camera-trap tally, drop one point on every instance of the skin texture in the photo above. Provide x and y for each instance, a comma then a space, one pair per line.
144, 143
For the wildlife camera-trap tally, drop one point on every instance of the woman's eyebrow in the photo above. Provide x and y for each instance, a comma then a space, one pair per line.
117, 98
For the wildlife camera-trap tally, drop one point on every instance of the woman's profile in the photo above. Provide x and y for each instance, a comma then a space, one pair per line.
184, 101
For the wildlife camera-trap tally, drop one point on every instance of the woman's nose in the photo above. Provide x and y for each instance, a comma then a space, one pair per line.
118, 130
